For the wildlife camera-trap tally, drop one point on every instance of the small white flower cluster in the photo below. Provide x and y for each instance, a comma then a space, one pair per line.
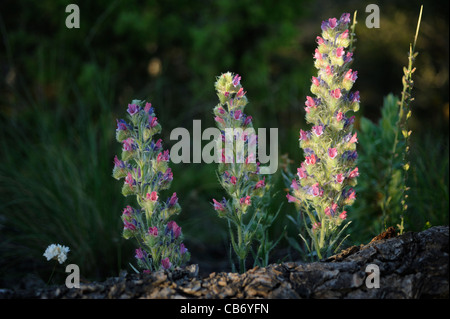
56, 252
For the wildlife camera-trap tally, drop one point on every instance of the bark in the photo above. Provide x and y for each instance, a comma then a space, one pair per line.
414, 265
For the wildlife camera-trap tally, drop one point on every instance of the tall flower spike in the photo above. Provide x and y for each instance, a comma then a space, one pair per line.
239, 170
145, 169
330, 142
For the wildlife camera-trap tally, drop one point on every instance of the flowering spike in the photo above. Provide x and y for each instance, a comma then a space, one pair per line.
330, 142
144, 167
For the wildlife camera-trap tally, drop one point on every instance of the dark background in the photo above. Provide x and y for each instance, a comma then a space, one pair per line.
61, 91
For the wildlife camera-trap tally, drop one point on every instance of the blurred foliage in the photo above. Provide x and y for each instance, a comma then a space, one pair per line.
62, 89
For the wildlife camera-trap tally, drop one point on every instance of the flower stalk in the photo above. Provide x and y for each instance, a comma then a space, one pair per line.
324, 183
144, 166
238, 171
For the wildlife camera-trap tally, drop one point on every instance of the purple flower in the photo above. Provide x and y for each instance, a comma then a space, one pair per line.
332, 152
173, 200
128, 144
304, 136
165, 263
336, 93
351, 76
261, 183
248, 120
153, 231
316, 190
219, 206
129, 180
153, 121
345, 18
163, 156
301, 173
332, 22
174, 229
133, 109
236, 80
183, 249
122, 125
318, 130
156, 146
148, 108
140, 254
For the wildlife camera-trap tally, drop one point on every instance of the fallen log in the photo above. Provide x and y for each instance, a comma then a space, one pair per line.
413, 265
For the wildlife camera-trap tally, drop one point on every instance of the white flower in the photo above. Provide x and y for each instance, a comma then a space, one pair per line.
57, 252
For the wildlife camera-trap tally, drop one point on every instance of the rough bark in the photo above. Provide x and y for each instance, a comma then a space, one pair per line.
414, 265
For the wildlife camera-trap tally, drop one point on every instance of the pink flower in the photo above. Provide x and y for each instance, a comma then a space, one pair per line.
139, 253
153, 231
316, 190
163, 156
250, 158
343, 215
353, 139
219, 120
248, 120
351, 194
240, 93
344, 34
332, 152
310, 102
340, 52
316, 225
129, 180
317, 55
128, 225
153, 121
153, 196
165, 263
353, 173
320, 40
339, 116
336, 93
237, 114
328, 70
261, 183
311, 160
236, 80
339, 178
218, 206
332, 22
221, 110
318, 130
301, 173
173, 200
292, 199
174, 228
147, 107
233, 180
294, 184
128, 144
303, 135
315, 81
245, 200
128, 211
351, 76
133, 109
